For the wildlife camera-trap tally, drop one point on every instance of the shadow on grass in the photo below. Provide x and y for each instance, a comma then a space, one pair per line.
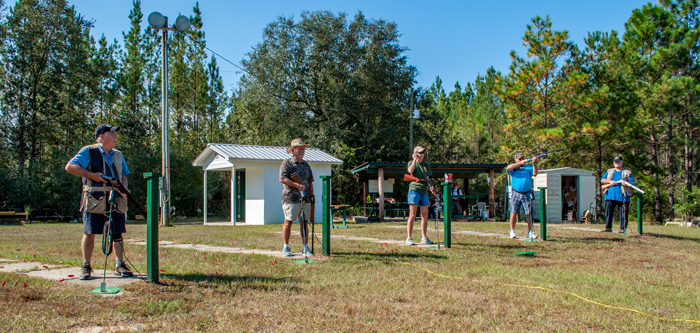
697, 240
395, 255
251, 281
587, 240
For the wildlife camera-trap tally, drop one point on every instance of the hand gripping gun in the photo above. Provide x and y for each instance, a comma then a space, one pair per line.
118, 184
410, 178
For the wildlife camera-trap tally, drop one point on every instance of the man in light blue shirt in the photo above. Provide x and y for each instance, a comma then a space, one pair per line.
617, 196
521, 174
91, 164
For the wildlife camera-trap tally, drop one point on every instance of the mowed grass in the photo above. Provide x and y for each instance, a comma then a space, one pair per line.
365, 286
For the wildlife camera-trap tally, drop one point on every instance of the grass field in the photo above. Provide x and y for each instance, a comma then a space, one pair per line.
360, 290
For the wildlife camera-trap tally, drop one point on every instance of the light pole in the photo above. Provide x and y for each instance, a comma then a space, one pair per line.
415, 113
159, 22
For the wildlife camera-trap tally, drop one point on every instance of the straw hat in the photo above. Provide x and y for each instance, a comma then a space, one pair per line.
296, 143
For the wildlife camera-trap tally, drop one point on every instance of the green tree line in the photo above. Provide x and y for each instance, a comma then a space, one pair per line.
344, 83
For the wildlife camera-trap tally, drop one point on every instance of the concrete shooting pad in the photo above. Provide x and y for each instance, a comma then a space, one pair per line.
110, 279
58, 273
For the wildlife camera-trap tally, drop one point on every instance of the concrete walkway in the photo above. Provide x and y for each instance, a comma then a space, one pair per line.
210, 248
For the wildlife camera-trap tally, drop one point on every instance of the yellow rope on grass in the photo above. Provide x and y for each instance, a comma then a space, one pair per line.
556, 291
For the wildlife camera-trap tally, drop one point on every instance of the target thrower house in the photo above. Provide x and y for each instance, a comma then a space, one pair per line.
256, 192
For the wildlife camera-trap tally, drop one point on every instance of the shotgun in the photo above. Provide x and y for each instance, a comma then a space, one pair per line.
542, 155
118, 184
410, 178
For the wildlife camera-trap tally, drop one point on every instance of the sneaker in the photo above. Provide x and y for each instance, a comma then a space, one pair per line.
531, 235
409, 241
606, 230
426, 241
306, 251
123, 270
622, 232
512, 234
85, 272
286, 252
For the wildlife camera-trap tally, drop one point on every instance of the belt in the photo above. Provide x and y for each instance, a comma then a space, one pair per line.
522, 192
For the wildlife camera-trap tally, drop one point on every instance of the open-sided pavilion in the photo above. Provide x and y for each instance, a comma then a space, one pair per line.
384, 171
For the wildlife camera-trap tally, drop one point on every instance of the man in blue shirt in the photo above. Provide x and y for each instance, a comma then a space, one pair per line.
521, 174
617, 196
91, 163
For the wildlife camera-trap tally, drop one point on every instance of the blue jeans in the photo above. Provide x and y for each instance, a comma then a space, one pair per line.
623, 209
417, 198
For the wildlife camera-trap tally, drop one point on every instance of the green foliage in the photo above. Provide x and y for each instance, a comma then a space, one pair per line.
344, 84
339, 83
689, 205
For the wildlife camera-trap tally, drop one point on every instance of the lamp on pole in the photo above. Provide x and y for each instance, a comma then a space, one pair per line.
159, 22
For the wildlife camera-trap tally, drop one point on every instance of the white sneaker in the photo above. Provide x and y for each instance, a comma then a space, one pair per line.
426, 241
306, 251
409, 241
286, 252
512, 234
531, 235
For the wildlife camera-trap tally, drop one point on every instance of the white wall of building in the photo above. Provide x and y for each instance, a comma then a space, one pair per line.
264, 191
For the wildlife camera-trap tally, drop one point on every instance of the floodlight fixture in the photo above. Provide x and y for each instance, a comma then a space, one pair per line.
156, 20
416, 114
182, 23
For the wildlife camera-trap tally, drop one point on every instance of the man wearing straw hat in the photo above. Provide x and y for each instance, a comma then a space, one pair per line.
292, 193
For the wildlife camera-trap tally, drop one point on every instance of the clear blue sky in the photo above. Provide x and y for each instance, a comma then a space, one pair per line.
453, 39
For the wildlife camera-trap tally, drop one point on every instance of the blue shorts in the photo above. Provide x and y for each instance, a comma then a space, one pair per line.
520, 199
93, 224
417, 198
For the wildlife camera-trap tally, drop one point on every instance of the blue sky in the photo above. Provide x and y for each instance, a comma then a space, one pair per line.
456, 40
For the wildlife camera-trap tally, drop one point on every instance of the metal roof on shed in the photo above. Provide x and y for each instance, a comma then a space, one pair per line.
260, 153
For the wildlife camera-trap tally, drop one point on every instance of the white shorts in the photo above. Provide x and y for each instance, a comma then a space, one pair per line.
292, 211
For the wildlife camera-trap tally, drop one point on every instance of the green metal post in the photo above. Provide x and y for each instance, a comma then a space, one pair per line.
152, 225
639, 213
543, 212
326, 215
447, 212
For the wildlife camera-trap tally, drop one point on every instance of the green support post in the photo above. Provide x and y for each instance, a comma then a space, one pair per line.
152, 225
639, 213
326, 215
447, 212
543, 212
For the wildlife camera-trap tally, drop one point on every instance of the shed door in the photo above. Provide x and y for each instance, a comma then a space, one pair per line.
587, 194
240, 195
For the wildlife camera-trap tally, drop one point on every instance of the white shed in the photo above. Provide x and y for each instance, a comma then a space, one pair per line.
570, 192
256, 193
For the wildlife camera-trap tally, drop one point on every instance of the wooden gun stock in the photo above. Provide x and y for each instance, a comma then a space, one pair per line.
409, 178
295, 178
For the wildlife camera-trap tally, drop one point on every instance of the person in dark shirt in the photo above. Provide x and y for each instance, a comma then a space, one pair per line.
292, 193
418, 195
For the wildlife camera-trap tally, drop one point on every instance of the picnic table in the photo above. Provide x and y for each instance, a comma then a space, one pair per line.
475, 197
345, 208
13, 216
390, 208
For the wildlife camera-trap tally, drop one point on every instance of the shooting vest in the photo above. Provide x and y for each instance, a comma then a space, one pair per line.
626, 173
96, 194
